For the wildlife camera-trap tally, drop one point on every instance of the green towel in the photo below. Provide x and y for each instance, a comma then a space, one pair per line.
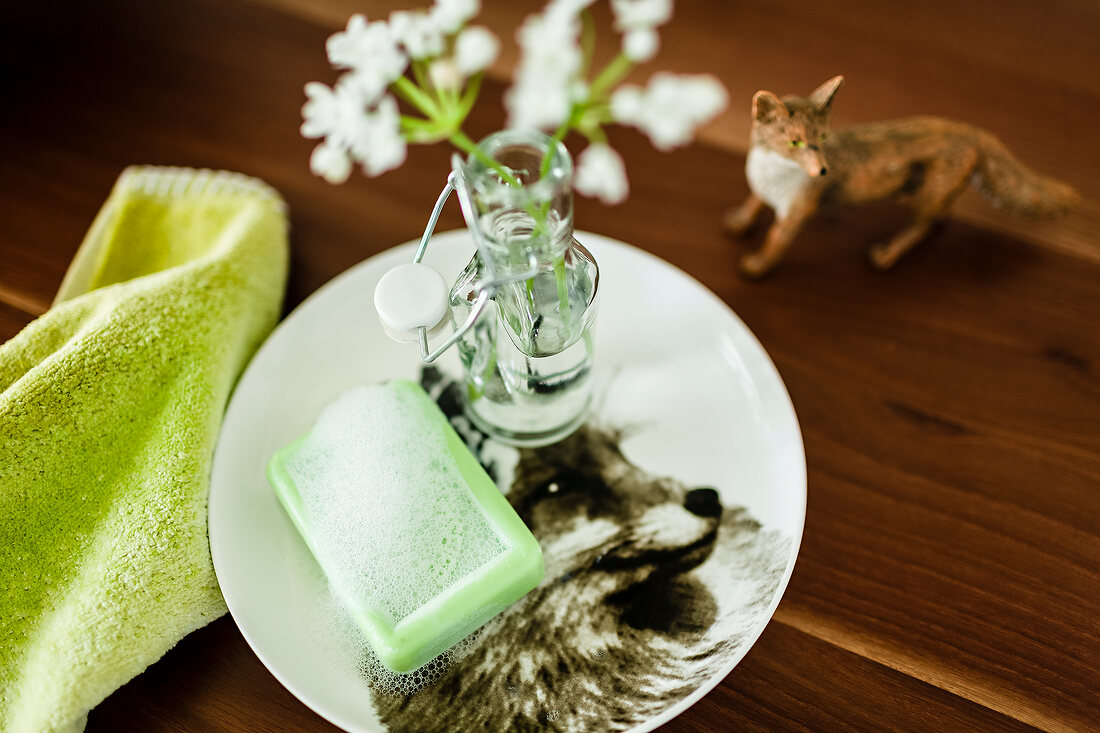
110, 405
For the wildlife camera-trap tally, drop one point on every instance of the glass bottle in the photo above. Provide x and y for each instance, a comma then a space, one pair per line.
528, 359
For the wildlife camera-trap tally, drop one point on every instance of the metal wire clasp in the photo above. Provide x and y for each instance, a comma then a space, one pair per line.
486, 287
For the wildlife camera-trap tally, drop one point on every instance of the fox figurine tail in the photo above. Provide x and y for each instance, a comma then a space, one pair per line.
1009, 184
797, 163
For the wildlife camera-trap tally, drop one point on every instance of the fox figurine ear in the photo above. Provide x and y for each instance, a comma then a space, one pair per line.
767, 106
822, 97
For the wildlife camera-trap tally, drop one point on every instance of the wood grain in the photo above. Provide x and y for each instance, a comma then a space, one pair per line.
170, 697
12, 320
211, 682
948, 577
1023, 70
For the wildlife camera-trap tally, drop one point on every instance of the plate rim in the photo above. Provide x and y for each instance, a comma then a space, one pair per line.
801, 487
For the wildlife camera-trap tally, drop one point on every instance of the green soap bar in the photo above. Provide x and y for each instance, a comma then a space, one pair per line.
441, 481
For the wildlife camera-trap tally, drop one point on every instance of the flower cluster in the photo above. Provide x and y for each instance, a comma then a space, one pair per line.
432, 61
551, 91
638, 21
358, 120
548, 79
670, 108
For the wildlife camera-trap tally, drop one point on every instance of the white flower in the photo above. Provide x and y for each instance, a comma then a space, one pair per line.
332, 113
538, 104
671, 108
368, 86
601, 174
476, 48
640, 44
638, 20
628, 104
379, 143
343, 47
319, 113
330, 162
418, 33
550, 43
369, 49
351, 132
450, 15
445, 74
566, 8
545, 86
641, 14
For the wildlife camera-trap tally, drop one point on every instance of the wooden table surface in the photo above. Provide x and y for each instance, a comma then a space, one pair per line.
949, 576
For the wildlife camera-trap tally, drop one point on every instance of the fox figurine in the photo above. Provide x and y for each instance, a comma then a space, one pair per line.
797, 164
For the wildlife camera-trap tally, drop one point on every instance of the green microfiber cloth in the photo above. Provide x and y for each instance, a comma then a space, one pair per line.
110, 405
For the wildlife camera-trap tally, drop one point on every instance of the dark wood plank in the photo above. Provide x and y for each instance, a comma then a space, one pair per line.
1011, 67
950, 408
234, 692
817, 694
12, 320
1021, 69
211, 682
155, 91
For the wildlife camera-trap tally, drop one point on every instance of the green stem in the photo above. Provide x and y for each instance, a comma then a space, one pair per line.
541, 217
558, 136
421, 131
453, 98
563, 288
414, 95
610, 76
574, 116
473, 86
445, 116
530, 289
463, 142
594, 134
420, 74
588, 38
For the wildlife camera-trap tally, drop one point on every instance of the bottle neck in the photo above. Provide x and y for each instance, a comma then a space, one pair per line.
513, 236
521, 184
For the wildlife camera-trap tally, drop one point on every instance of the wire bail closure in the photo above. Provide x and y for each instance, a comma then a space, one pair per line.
487, 287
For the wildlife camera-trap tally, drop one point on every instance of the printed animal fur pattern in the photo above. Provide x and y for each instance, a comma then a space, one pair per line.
650, 587
797, 164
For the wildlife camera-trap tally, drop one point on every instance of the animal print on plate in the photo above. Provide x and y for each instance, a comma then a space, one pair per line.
650, 588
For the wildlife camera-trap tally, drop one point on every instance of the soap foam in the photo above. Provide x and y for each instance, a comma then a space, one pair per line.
333, 630
384, 681
392, 521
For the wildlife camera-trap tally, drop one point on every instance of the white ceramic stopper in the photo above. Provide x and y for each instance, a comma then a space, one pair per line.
410, 296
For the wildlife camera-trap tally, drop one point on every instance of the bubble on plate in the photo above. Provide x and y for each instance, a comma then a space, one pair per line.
335, 632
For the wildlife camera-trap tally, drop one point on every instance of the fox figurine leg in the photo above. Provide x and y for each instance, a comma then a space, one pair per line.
941, 183
780, 236
740, 220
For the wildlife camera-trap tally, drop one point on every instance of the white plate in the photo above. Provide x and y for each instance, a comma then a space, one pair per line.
699, 401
